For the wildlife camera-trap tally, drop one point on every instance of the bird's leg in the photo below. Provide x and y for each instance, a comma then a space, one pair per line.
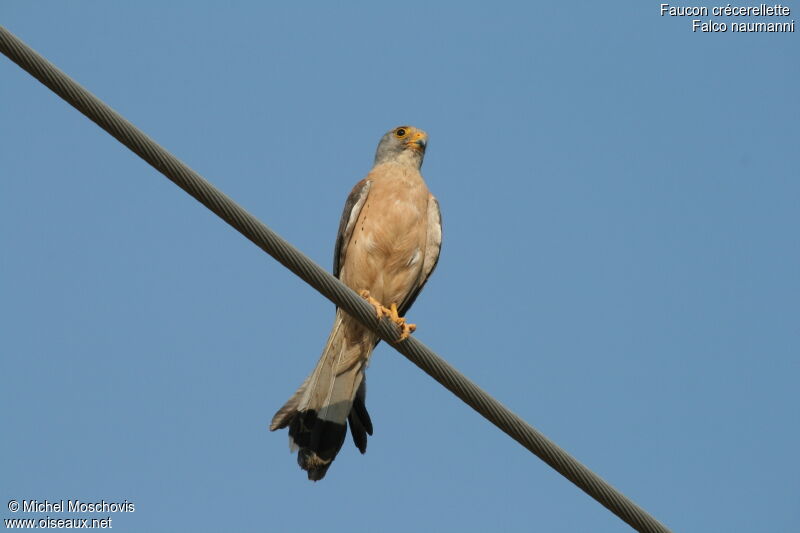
380, 310
392, 313
407, 329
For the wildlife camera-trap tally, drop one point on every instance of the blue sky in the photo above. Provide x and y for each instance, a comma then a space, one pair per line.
620, 199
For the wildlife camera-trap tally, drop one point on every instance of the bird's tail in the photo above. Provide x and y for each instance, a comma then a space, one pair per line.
333, 395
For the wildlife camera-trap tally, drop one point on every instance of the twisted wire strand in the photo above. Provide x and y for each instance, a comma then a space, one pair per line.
330, 287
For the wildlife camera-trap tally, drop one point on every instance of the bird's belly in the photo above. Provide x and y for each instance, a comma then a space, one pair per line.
386, 250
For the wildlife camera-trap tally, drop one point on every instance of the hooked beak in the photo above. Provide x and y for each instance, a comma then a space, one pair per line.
418, 141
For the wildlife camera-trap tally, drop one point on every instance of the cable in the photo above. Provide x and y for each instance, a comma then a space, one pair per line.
419, 354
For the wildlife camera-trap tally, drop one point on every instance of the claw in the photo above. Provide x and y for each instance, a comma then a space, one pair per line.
406, 329
380, 310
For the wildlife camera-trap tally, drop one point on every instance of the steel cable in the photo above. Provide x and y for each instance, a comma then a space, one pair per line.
419, 354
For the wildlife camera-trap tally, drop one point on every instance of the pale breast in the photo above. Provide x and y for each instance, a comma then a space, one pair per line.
385, 249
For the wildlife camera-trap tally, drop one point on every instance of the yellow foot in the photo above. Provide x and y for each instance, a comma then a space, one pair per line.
407, 329
381, 311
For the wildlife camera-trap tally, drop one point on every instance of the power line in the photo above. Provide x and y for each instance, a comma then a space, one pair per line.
330, 287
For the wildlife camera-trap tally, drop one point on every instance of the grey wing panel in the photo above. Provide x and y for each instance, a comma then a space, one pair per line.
433, 245
352, 208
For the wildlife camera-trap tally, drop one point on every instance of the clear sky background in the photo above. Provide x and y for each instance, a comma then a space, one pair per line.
621, 200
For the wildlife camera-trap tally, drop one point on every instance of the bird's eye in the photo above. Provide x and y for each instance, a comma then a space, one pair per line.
400, 132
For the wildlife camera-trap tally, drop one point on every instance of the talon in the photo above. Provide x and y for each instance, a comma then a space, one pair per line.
406, 328
380, 310
395, 316
392, 313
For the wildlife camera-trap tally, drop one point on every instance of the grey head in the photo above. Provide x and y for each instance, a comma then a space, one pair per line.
403, 145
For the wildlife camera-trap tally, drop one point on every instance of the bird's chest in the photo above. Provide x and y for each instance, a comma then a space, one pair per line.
392, 221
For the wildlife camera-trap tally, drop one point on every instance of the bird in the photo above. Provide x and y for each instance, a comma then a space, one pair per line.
387, 246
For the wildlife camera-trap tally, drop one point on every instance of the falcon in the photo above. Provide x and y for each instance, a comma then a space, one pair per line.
387, 247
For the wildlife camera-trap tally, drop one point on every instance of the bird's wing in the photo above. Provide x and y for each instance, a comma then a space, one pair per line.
352, 208
433, 244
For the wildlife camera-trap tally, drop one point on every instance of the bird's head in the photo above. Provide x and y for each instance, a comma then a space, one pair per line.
403, 144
